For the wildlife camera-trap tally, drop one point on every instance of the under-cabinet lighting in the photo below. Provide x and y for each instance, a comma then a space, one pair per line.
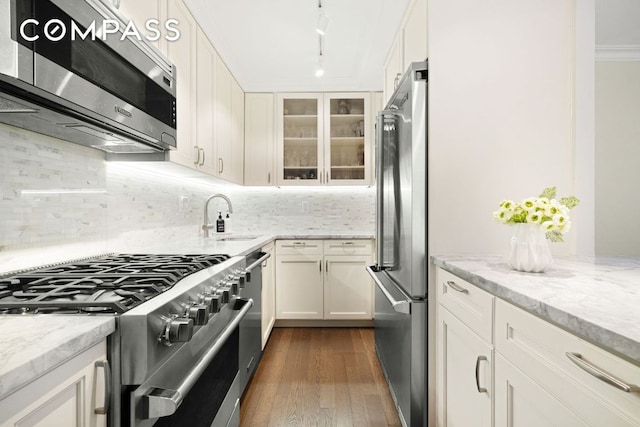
63, 191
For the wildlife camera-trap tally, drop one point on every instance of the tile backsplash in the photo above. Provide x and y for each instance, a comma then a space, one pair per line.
58, 193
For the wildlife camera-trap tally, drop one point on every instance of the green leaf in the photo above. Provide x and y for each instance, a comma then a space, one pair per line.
554, 236
549, 193
570, 202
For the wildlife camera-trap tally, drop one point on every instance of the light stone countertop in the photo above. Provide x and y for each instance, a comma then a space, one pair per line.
597, 299
32, 345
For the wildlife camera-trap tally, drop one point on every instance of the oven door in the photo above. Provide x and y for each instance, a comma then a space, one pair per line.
195, 387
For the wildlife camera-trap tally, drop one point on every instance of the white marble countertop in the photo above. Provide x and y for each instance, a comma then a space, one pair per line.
31, 345
597, 299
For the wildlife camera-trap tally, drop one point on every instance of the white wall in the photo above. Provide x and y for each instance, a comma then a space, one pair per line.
503, 121
617, 158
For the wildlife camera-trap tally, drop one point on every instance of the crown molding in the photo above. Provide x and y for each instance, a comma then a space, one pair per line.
626, 52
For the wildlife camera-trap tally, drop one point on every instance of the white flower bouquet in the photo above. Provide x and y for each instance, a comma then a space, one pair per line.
546, 210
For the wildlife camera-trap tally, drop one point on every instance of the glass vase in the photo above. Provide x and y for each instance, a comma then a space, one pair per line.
529, 249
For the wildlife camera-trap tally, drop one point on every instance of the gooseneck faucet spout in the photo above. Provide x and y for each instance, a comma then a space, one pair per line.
206, 226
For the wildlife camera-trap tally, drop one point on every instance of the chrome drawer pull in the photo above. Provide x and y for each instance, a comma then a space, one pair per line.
104, 364
478, 360
601, 375
457, 287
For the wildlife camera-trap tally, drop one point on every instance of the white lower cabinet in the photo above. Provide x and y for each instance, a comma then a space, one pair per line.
542, 354
318, 279
464, 373
522, 402
347, 287
536, 374
68, 396
268, 293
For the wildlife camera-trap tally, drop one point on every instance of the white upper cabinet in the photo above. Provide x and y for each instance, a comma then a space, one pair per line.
410, 45
415, 33
210, 103
300, 139
347, 144
182, 53
259, 139
324, 139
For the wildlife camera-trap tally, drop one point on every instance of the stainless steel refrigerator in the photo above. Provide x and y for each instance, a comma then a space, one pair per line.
400, 274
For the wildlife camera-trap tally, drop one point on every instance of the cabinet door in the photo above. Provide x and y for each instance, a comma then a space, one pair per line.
463, 374
299, 294
299, 139
237, 133
222, 125
347, 138
65, 396
182, 53
205, 65
415, 34
140, 12
393, 67
268, 294
348, 290
522, 402
259, 142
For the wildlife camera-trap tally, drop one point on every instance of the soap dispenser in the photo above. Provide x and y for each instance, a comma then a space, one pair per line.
227, 222
220, 223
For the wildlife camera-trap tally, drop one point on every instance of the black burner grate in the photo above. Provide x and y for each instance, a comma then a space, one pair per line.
111, 284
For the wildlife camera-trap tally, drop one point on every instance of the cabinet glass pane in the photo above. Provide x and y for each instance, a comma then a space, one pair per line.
347, 132
300, 138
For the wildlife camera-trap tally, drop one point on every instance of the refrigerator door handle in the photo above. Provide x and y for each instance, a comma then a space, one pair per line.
403, 306
380, 187
380, 182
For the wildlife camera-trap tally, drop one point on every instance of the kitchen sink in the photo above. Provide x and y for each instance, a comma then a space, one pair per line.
236, 238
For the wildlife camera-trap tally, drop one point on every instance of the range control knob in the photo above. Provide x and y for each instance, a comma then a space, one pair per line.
223, 293
234, 285
198, 312
242, 277
211, 301
177, 329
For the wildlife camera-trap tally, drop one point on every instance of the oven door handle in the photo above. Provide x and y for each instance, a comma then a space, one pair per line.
262, 259
160, 402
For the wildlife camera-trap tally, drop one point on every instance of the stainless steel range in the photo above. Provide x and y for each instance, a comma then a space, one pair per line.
174, 356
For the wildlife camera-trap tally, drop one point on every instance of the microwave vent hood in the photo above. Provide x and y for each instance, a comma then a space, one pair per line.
111, 92
68, 125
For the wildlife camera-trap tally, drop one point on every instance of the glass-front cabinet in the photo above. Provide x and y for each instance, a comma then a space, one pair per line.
300, 135
346, 138
324, 139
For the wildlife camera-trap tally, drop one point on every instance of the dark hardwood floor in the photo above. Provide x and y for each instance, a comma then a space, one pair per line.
317, 377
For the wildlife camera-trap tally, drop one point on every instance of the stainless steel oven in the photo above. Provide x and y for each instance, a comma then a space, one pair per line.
199, 386
174, 357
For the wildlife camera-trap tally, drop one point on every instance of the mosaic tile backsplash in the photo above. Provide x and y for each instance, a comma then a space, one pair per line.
58, 193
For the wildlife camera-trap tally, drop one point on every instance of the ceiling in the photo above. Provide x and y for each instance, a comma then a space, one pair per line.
272, 46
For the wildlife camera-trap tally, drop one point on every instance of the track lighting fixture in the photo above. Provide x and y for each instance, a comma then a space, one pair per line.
323, 21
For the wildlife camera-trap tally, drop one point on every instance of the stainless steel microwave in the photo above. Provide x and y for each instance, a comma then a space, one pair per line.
69, 69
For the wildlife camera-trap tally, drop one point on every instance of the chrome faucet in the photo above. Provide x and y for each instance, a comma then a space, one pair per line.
206, 226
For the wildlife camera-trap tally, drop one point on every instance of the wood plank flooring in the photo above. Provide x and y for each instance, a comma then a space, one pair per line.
319, 377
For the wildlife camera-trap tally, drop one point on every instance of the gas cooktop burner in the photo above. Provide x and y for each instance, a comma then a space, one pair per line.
111, 284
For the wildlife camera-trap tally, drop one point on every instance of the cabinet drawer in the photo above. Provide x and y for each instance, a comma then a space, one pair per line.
348, 247
541, 349
467, 302
299, 247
